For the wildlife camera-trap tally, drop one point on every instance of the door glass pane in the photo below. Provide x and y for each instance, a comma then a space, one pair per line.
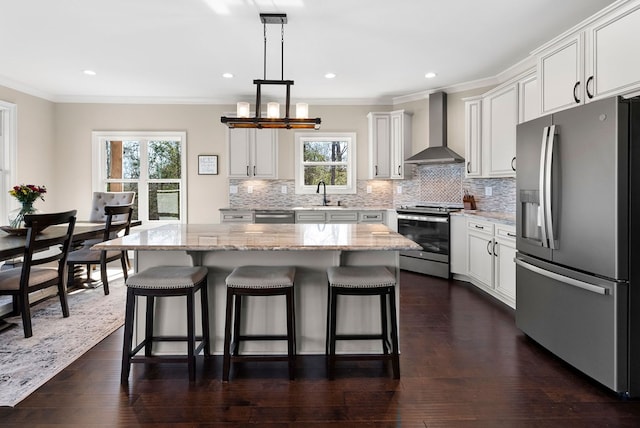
164, 201
164, 159
126, 187
123, 159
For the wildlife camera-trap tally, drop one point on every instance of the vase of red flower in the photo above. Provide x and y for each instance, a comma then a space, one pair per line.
26, 194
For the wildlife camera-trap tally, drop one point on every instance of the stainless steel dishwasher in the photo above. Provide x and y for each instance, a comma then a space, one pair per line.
274, 216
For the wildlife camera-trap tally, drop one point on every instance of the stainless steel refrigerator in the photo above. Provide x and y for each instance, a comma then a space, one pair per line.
578, 215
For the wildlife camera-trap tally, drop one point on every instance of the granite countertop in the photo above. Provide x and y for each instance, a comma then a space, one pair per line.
251, 237
498, 217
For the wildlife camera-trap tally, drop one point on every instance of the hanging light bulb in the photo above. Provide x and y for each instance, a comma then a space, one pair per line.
302, 110
242, 109
273, 110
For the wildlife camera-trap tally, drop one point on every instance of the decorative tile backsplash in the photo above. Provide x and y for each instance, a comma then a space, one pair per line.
428, 183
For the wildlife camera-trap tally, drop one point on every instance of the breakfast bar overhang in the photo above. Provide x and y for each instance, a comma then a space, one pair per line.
310, 248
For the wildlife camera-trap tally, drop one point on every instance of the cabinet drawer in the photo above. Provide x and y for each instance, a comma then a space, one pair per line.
505, 232
371, 217
236, 217
342, 217
310, 217
480, 226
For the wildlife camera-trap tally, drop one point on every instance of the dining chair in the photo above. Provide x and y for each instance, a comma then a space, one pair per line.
37, 271
118, 221
102, 199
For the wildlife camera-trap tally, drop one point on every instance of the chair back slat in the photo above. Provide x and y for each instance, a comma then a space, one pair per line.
118, 220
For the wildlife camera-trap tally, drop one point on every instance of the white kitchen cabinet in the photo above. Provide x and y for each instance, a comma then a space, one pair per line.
504, 252
595, 61
330, 215
491, 249
458, 245
528, 98
252, 153
479, 252
499, 121
236, 216
389, 143
340, 216
473, 137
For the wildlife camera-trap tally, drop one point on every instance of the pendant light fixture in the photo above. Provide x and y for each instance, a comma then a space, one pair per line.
243, 117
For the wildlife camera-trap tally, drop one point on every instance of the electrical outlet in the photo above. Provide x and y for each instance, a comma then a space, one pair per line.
369, 190
488, 191
399, 190
283, 189
233, 189
249, 189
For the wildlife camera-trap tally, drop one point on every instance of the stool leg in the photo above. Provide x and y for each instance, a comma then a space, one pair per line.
384, 323
394, 334
148, 328
291, 334
226, 360
327, 341
332, 332
128, 336
204, 304
237, 317
191, 336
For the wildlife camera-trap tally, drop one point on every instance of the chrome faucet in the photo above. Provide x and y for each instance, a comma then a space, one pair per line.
325, 202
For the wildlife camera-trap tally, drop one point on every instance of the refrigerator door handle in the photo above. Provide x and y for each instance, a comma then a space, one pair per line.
542, 188
549, 188
564, 279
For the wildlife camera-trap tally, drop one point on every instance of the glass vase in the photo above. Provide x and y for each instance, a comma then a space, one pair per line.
16, 216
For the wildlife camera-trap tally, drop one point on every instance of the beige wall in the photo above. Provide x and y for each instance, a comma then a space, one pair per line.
36, 144
55, 143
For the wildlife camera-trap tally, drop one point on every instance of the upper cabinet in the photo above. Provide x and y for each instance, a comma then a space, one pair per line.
593, 63
389, 143
490, 126
253, 153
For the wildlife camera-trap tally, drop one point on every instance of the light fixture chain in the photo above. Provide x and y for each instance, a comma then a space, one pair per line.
264, 72
282, 51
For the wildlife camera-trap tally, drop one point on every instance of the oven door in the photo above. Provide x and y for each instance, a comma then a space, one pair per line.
428, 230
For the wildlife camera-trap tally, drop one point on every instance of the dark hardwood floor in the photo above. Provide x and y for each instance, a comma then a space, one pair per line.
463, 364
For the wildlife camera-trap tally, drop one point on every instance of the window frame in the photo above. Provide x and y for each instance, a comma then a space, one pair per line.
99, 170
349, 138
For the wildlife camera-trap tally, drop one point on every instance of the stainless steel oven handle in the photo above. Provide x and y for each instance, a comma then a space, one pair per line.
433, 219
564, 279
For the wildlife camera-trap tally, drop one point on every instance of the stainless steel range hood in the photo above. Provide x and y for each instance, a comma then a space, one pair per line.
437, 152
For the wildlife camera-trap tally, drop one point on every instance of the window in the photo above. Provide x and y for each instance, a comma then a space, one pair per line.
152, 164
8, 161
327, 157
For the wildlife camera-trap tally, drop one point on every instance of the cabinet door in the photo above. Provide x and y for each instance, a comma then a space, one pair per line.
561, 71
480, 257
473, 137
458, 249
379, 145
239, 153
614, 65
505, 267
265, 157
528, 98
370, 217
400, 142
310, 217
500, 118
342, 216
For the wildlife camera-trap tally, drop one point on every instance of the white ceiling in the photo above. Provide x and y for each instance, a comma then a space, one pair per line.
177, 50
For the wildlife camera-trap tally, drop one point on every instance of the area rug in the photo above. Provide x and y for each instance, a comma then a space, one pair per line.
26, 364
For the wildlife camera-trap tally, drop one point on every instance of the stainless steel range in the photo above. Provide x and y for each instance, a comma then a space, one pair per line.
428, 225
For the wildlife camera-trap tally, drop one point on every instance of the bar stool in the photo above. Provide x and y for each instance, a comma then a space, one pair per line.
165, 281
258, 281
363, 281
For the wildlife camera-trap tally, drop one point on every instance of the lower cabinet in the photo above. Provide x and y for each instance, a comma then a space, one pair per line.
491, 248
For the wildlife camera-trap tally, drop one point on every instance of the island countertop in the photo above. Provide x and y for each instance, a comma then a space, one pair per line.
263, 237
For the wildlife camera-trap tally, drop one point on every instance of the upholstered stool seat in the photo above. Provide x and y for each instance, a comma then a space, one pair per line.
363, 281
257, 281
166, 281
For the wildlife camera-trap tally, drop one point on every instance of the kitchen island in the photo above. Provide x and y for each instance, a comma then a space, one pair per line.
311, 248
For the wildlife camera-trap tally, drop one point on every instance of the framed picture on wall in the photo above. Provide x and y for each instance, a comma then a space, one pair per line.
208, 164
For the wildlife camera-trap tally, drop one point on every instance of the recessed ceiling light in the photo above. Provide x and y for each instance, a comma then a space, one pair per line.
430, 75
330, 75
227, 75
89, 72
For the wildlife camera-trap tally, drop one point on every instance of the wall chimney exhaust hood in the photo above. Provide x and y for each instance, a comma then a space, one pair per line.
437, 152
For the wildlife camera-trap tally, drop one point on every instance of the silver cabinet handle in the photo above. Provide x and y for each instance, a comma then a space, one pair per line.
564, 279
